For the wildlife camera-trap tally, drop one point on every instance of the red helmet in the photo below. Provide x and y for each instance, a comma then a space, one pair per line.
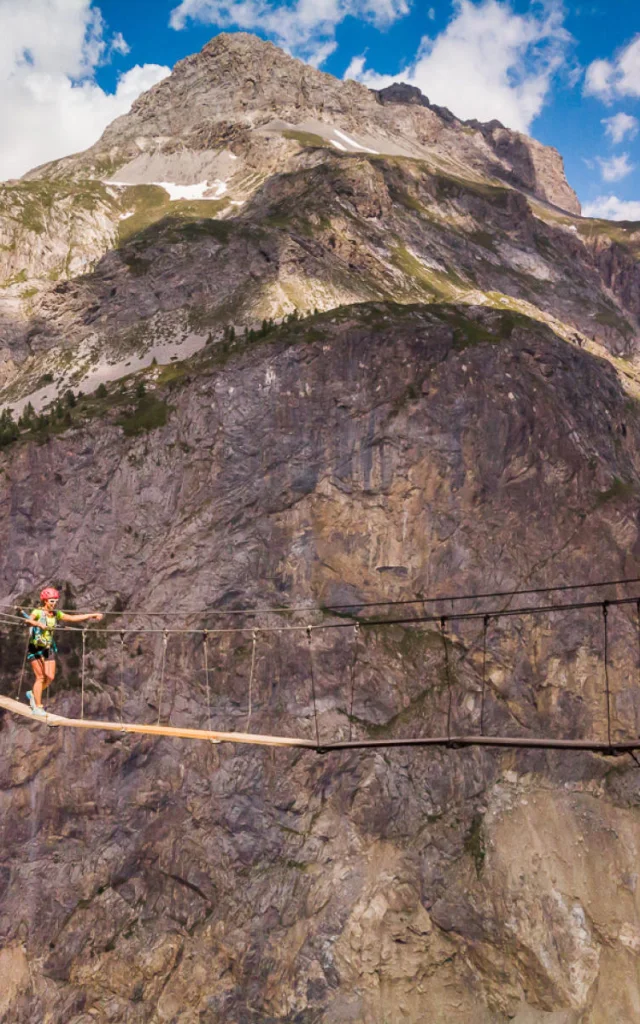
49, 594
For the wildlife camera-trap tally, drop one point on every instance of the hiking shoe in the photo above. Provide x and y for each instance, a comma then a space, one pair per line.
39, 712
31, 699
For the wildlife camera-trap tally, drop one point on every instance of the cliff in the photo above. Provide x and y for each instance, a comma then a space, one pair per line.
378, 376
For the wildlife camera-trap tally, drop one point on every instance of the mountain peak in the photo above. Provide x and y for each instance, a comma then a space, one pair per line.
241, 42
240, 86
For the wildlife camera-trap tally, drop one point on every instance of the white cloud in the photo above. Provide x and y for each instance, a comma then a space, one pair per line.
488, 63
356, 68
612, 208
608, 79
431, 14
616, 167
119, 44
321, 52
50, 104
596, 79
305, 28
620, 126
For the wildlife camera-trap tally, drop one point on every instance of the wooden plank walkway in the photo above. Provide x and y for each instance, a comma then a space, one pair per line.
452, 742
177, 732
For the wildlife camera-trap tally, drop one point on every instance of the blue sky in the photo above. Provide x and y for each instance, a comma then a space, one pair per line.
567, 73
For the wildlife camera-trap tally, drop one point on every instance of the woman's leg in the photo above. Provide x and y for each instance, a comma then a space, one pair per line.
38, 670
49, 672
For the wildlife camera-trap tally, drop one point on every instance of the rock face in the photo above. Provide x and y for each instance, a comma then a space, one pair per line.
373, 454
525, 162
409, 374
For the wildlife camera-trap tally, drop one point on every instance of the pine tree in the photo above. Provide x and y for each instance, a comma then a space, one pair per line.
8, 428
26, 420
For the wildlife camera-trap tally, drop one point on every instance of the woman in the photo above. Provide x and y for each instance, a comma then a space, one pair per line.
42, 646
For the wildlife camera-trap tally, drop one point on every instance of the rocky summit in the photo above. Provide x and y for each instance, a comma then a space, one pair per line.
285, 343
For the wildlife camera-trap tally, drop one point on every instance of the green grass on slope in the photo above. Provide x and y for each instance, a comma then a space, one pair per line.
305, 138
625, 233
498, 325
134, 409
151, 204
620, 489
30, 203
450, 186
436, 283
150, 412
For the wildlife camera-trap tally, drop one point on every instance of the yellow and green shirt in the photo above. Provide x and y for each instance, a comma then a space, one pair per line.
42, 636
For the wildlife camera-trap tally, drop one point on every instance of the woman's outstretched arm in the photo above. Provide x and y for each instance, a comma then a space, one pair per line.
80, 618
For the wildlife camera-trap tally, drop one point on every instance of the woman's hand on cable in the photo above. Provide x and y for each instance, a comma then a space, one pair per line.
97, 616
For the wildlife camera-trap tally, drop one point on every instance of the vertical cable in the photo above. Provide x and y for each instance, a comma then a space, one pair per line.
356, 632
165, 637
605, 612
122, 677
205, 648
443, 626
638, 626
254, 637
484, 671
84, 651
313, 687
24, 665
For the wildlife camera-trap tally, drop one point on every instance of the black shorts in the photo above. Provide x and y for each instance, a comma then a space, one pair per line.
36, 653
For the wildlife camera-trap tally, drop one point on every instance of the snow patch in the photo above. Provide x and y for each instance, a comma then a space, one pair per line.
197, 191
356, 145
338, 145
191, 191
